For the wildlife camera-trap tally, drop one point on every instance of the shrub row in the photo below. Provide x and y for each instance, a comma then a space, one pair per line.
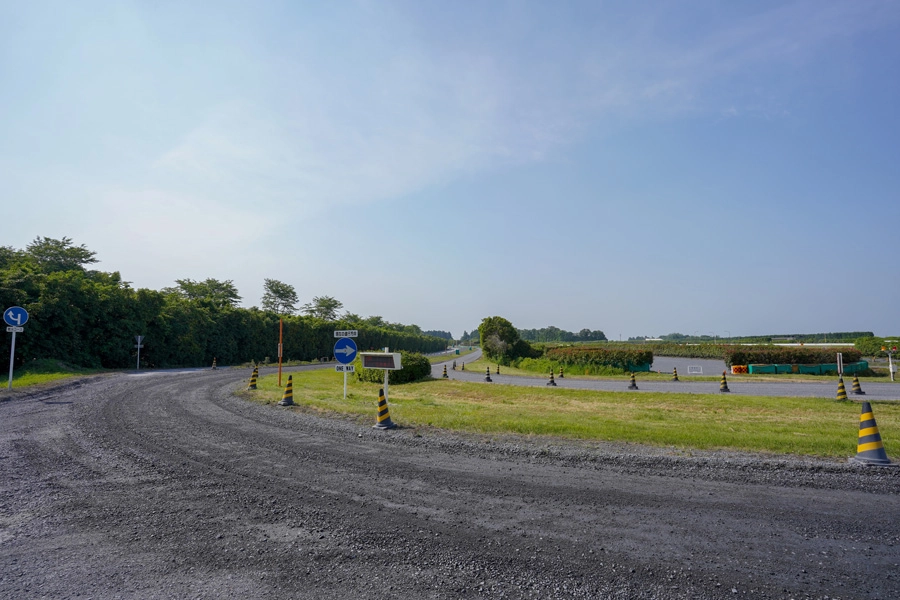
621, 358
786, 355
543, 365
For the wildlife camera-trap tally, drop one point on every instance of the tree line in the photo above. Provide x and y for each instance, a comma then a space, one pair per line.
90, 318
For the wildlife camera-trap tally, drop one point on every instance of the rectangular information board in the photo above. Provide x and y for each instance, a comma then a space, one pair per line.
389, 361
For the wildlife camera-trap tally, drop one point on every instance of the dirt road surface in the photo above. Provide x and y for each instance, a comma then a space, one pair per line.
173, 486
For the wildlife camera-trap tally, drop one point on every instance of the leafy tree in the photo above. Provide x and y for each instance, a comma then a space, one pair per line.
279, 297
375, 321
218, 294
59, 255
323, 307
497, 337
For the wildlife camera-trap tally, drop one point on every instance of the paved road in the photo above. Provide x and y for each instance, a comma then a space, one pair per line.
826, 389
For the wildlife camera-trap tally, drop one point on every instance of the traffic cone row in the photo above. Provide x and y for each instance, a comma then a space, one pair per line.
384, 415
287, 399
841, 391
723, 385
869, 447
253, 378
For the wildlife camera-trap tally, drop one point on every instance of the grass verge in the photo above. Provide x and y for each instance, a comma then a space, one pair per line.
802, 426
44, 371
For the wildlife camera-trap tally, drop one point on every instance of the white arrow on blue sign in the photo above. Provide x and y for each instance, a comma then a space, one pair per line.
345, 350
15, 316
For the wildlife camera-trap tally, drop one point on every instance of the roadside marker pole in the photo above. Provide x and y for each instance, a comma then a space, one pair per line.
12, 355
280, 341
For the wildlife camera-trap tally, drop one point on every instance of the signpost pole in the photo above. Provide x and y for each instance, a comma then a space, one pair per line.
139, 345
280, 341
345, 385
12, 354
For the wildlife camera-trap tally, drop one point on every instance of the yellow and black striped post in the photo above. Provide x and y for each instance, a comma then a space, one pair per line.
856, 388
487, 375
253, 378
723, 385
462, 367
674, 373
561, 376
445, 376
551, 382
214, 367
633, 384
842, 391
498, 369
287, 399
384, 415
869, 448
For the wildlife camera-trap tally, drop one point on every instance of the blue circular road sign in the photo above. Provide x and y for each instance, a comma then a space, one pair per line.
15, 316
345, 350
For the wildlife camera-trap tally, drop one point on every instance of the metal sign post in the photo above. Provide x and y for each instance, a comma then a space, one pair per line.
139, 345
840, 363
890, 352
389, 361
345, 351
15, 317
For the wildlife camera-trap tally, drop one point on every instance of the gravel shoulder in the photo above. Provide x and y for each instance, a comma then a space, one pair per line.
174, 486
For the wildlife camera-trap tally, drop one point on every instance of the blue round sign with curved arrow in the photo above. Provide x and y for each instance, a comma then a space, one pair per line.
15, 316
345, 351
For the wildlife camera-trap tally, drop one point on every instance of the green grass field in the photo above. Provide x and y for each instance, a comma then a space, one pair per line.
43, 371
803, 426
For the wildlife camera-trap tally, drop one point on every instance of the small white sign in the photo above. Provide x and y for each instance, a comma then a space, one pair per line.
345, 368
346, 333
15, 329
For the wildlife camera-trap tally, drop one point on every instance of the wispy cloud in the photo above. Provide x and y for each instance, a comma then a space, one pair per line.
408, 117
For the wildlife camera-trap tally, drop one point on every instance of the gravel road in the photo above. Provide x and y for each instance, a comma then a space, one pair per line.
173, 486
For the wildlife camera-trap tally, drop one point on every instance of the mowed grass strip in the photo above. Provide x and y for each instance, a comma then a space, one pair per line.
804, 426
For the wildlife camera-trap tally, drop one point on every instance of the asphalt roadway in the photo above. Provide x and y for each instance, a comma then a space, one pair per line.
826, 389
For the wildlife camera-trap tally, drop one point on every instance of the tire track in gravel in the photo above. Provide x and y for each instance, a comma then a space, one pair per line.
175, 487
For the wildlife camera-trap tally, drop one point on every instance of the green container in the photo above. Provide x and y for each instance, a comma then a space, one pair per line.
810, 369
762, 369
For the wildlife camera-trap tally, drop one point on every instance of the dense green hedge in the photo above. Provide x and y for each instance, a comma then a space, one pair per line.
415, 368
786, 355
619, 357
90, 318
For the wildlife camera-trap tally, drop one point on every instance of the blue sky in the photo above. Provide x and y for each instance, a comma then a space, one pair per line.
720, 168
